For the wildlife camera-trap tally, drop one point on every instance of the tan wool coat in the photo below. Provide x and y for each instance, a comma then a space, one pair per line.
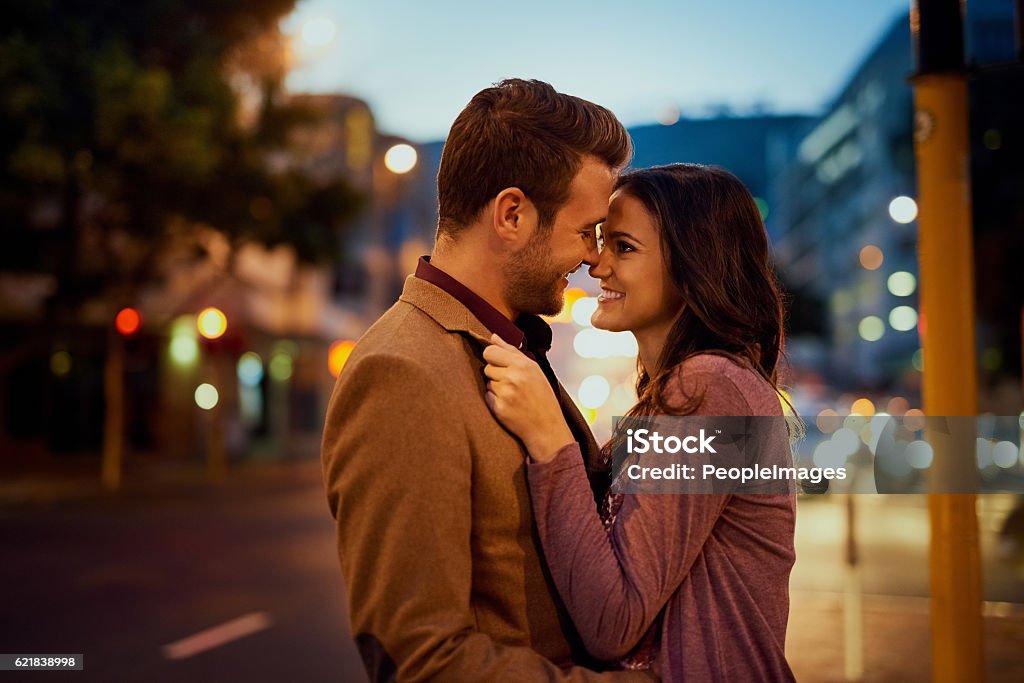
435, 532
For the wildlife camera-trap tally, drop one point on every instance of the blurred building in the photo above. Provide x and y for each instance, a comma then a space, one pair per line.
844, 210
755, 148
836, 236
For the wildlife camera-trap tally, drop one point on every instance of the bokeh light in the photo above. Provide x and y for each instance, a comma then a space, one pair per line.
128, 321
338, 355
897, 406
594, 391
983, 452
991, 358
918, 454
827, 421
569, 298
918, 360
280, 367
206, 396
992, 139
846, 441
863, 406
913, 420
902, 283
400, 158
903, 318
184, 350
211, 323
583, 309
871, 257
903, 209
594, 343
762, 207
250, 369
1004, 454
871, 328
60, 363
668, 115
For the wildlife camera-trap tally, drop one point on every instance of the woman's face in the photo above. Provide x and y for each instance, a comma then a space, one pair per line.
637, 293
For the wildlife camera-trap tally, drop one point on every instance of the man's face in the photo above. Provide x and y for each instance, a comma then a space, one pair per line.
536, 276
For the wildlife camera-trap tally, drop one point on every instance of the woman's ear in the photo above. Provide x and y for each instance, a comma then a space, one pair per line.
514, 216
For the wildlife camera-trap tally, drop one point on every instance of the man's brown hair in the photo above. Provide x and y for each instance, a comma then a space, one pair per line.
523, 134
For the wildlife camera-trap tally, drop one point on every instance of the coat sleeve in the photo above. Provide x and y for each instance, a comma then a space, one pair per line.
615, 583
397, 472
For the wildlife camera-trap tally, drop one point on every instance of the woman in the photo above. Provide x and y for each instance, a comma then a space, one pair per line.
694, 586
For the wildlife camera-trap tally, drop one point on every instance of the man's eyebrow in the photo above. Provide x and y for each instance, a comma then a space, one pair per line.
594, 224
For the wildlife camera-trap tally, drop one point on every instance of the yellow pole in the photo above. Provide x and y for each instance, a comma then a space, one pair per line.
950, 381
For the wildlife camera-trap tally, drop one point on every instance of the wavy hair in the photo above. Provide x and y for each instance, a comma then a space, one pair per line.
716, 252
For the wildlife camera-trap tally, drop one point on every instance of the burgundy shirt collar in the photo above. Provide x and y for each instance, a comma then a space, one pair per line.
528, 333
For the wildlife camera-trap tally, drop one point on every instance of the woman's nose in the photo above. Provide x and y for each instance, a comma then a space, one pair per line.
602, 268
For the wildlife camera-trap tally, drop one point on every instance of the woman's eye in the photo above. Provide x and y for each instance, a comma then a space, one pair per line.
624, 248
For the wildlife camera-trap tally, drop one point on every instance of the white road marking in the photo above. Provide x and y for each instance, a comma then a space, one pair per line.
217, 635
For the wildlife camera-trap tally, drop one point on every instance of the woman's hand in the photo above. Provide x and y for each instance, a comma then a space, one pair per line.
521, 398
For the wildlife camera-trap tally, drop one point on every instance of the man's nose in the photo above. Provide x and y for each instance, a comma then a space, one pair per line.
599, 268
593, 255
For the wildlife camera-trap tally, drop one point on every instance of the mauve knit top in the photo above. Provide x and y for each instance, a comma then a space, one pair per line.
713, 568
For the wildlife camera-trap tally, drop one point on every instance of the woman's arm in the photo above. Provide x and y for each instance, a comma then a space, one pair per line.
614, 584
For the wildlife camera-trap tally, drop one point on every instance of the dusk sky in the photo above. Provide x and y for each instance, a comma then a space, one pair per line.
418, 63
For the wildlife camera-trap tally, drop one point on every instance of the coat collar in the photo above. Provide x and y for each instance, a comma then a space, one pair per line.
452, 315
443, 308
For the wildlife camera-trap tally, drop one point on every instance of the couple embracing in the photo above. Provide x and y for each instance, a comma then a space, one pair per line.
478, 536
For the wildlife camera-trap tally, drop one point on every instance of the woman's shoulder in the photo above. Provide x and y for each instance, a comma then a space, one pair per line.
728, 386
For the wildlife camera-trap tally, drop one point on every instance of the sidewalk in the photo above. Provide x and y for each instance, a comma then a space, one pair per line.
897, 639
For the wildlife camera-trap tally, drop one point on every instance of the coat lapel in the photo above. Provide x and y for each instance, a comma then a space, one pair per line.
453, 316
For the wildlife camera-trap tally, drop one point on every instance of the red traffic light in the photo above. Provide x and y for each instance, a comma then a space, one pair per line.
128, 321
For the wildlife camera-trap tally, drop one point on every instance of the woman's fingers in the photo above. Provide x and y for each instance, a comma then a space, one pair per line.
497, 355
495, 371
498, 341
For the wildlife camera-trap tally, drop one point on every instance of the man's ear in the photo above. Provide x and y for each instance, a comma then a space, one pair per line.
514, 217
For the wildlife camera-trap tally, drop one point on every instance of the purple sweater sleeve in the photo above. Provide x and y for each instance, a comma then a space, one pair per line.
614, 584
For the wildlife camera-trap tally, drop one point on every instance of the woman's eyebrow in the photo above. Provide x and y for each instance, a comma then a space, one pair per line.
618, 233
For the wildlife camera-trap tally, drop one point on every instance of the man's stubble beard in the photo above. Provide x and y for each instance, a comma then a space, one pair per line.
532, 280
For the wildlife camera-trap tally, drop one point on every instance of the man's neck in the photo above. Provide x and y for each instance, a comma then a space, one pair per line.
478, 274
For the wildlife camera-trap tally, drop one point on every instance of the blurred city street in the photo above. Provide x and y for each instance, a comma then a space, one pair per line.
119, 578
207, 205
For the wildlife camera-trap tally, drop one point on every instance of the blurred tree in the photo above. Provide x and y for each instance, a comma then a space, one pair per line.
126, 127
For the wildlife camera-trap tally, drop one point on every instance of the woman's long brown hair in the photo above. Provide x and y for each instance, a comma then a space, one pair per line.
716, 251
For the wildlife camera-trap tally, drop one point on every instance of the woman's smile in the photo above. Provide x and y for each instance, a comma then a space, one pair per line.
609, 295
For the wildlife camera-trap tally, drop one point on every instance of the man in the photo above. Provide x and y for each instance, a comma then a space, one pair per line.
444, 573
